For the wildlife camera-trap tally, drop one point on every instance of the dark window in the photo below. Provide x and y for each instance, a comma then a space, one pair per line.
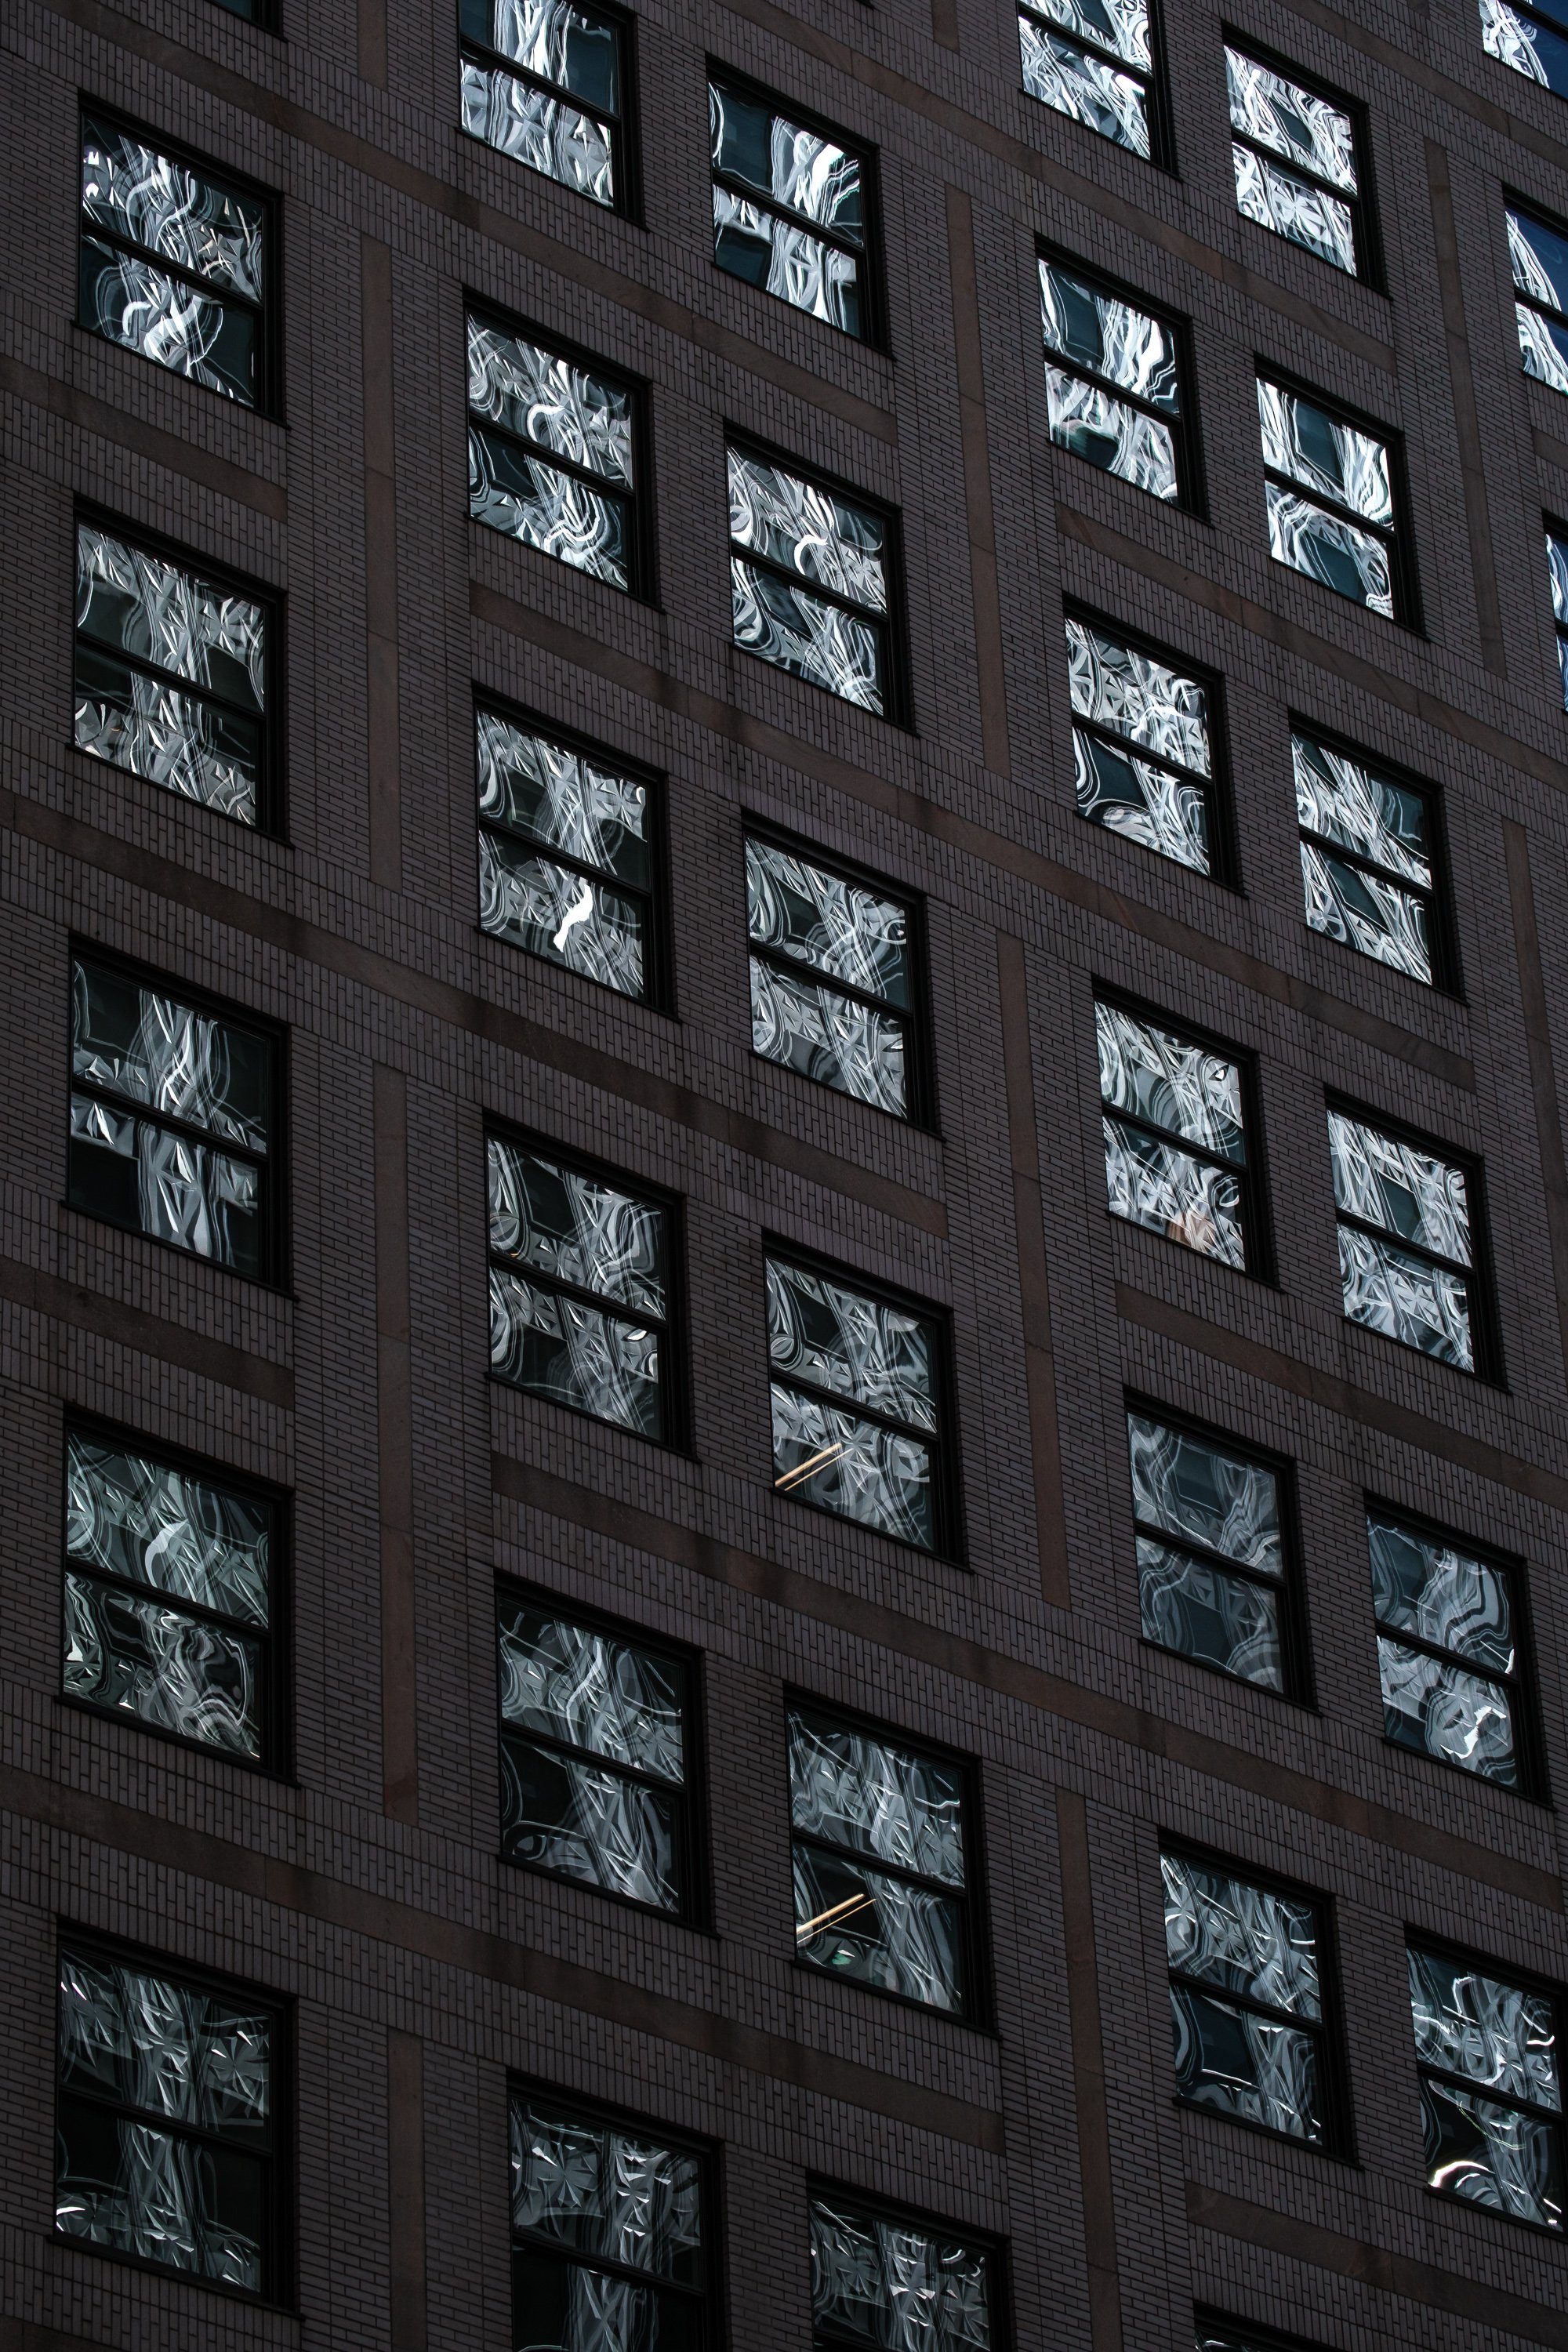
816, 581
580, 1284
174, 674
871, 2271
791, 207
255, 12
1094, 60
569, 859
1557, 569
598, 1734
612, 2234
1530, 37
1299, 166
836, 984
1335, 500
1213, 1551
858, 1383
1144, 746
1215, 2333
175, 262
1409, 1242
882, 1837
555, 454
1248, 2000
1451, 1646
1538, 254
1115, 384
548, 82
171, 1598
174, 1119
1175, 1121
171, 2140
1371, 858
1490, 2052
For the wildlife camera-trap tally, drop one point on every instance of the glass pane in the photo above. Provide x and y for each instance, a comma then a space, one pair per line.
562, 2305
137, 1519
166, 321
1557, 568
890, 2287
1240, 1937
541, 131
1222, 1621
197, 749
1331, 459
1077, 83
1532, 50
1441, 1710
1409, 1192
1153, 806
1159, 1186
1362, 911
1350, 804
828, 1037
141, 2191
858, 1923
813, 532
1406, 1298
555, 39
1500, 2035
179, 1673
1492, 2155
855, 1468
574, 1355
754, 244
1098, 331
172, 211
155, 1051
171, 2050
1109, 434
1195, 1490
586, 1687
1543, 347
1423, 1586
1294, 208
139, 604
799, 633
564, 800
1136, 695
1280, 114
555, 512
778, 159
154, 1182
860, 1347
1539, 257
559, 1813
887, 1801
1185, 1089
1329, 549
1119, 26
837, 925
547, 400
555, 912
575, 1227
606, 2191
1237, 2063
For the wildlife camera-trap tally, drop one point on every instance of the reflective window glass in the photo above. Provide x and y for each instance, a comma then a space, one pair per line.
1144, 763
1532, 39
1488, 2052
832, 987
1538, 256
1093, 61
1113, 383
810, 590
544, 81
552, 454
1448, 1650
1297, 170
1211, 1551
1331, 500
791, 207
1247, 1999
1176, 1135
1368, 858
1406, 1241
885, 2285
1557, 573
610, 2234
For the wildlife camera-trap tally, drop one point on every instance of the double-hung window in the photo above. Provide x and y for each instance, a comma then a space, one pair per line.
597, 1763
881, 1839
1450, 1646
174, 1119
1298, 171
174, 674
815, 581
1369, 859
1095, 62
882, 2280
836, 978
1538, 256
1144, 745
171, 1598
1175, 1119
1248, 2000
569, 855
1333, 500
1531, 36
612, 2232
1489, 2053
1409, 1233
175, 262
546, 81
171, 2142
1114, 382
580, 1288
792, 208
1557, 571
1213, 1560
555, 454
858, 1383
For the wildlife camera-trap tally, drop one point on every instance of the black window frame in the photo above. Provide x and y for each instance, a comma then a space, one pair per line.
1363, 207
625, 144
1218, 786
658, 961
1442, 924
268, 313
1398, 538
1530, 1980
864, 2205
279, 2290
1181, 424
273, 1272
1158, 111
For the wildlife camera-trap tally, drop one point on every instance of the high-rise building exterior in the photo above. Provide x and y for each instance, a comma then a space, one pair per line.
785, 1285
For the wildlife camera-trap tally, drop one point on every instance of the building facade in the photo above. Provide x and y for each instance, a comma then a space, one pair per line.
786, 1274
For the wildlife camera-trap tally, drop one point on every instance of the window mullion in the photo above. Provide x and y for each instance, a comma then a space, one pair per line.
1266, 1577
837, 237
899, 1870
566, 857
607, 487
609, 2264
858, 1411
1236, 1167
616, 1310
243, 1628
636, 1774
194, 688
1255, 2008
1407, 1640
1397, 1241
867, 613
780, 959
1384, 533
93, 227
1424, 891
495, 61
1133, 750
175, 1124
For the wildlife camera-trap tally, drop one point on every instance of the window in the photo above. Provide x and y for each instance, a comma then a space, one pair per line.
175, 263
1488, 2052
1175, 1136
1557, 566
792, 208
611, 2233
1113, 383
873, 2273
1332, 502
569, 857
170, 2145
1538, 254
596, 1736
858, 1388
1094, 60
580, 1281
1217, 2334
1450, 1641
1408, 1235
880, 1838
836, 984
544, 80
1143, 746
173, 1120
1298, 169
171, 1598
553, 456
172, 674
1212, 1551
1248, 2000
1370, 846
1533, 38
813, 578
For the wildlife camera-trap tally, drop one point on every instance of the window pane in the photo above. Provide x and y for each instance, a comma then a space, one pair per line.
1427, 1588
552, 38
1409, 1192
165, 320
1440, 1709
1362, 911
1532, 50
1332, 460
1543, 347
1195, 1489
1185, 1089
155, 1182
184, 1063
1539, 256
1492, 2155
1157, 809
1406, 1298
1500, 2035
602, 2190
1157, 1185
1280, 114
812, 532
585, 1687
576, 1227
857, 1922
546, 508
799, 633
179, 1673
563, 2306
837, 927
169, 2049
838, 1339
1111, 434
197, 749
561, 1814
1097, 331
564, 800
1133, 695
887, 2284
796, 167
1086, 88
885, 1800
541, 131
1189, 1606
172, 211
1119, 26
130, 602
1350, 804
1294, 208
139, 2191
134, 1518
574, 1355
555, 912
828, 1037
855, 1468
545, 399
1241, 2065
754, 244
1329, 549
1240, 1937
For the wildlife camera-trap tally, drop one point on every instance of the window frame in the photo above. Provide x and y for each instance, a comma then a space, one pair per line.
658, 964
1397, 538
867, 2206
280, 2246
1181, 424
273, 1273
1225, 860
1523, 1979
1158, 110
1366, 227
1535, 17
1442, 924
268, 313
625, 144
947, 1490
